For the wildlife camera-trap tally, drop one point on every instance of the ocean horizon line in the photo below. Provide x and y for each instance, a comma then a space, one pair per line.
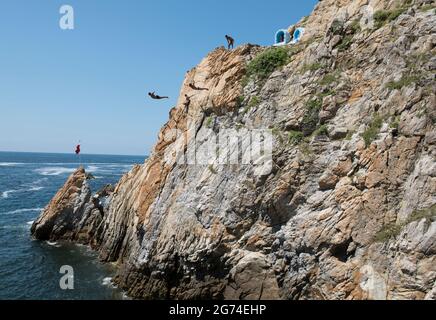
83, 154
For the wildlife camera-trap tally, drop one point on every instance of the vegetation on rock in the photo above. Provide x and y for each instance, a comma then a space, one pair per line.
382, 17
393, 230
311, 117
311, 67
267, 62
295, 137
403, 82
373, 129
329, 79
321, 131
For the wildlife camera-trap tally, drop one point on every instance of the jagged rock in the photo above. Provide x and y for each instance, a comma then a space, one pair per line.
328, 181
62, 216
322, 219
325, 115
338, 133
106, 191
252, 266
90, 176
342, 167
72, 215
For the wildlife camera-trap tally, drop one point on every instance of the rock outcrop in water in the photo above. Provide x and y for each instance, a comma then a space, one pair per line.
348, 209
73, 214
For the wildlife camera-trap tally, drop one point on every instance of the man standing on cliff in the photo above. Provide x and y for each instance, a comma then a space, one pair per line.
187, 103
230, 42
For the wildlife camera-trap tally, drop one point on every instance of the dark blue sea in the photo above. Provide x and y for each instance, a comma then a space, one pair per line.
29, 269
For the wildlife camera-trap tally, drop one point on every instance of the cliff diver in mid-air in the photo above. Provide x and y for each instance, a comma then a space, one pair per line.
194, 87
77, 149
230, 42
153, 95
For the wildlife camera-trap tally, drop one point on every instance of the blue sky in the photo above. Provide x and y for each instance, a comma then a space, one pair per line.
91, 83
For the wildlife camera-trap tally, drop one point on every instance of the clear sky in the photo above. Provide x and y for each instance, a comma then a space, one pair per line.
91, 83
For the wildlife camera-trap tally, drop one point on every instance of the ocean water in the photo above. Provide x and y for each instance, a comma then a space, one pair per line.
30, 269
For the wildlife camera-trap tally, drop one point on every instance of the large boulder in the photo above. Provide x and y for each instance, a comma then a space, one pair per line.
69, 213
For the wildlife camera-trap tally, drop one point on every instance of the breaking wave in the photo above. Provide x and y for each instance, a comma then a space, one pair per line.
54, 171
24, 210
108, 282
5, 194
35, 188
53, 244
29, 188
92, 169
10, 164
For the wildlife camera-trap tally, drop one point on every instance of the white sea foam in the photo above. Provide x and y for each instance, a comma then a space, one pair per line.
35, 188
6, 194
108, 169
54, 171
107, 282
106, 164
53, 244
10, 164
125, 296
24, 210
119, 165
13, 227
92, 168
39, 181
30, 222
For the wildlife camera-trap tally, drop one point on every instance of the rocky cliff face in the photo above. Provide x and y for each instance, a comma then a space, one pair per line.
343, 208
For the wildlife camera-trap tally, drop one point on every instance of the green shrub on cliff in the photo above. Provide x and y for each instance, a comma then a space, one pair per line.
311, 117
345, 43
311, 67
209, 122
403, 82
388, 232
240, 101
321, 131
429, 214
355, 26
277, 132
383, 17
393, 230
372, 130
427, 7
295, 137
395, 124
329, 79
254, 102
267, 62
